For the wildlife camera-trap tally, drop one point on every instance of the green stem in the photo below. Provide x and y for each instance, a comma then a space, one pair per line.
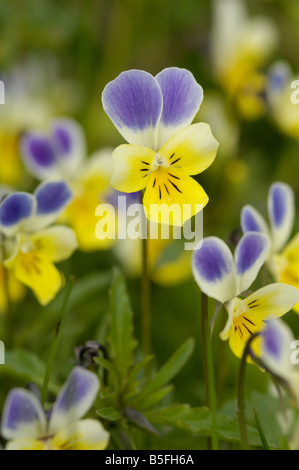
56, 339
209, 370
241, 394
146, 320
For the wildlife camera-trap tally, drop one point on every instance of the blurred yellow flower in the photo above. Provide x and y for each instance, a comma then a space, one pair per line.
241, 47
61, 153
32, 247
15, 288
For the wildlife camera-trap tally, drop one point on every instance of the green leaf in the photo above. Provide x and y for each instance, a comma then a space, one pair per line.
198, 421
107, 365
169, 370
26, 366
260, 430
155, 397
109, 413
140, 421
121, 337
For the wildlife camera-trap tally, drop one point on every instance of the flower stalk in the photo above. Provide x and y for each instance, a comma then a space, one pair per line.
209, 378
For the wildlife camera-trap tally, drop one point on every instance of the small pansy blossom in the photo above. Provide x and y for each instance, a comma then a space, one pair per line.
154, 115
241, 48
31, 245
27, 426
276, 349
224, 278
61, 153
283, 259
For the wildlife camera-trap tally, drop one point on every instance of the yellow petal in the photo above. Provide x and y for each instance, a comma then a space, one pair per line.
192, 149
37, 272
16, 289
172, 187
97, 172
131, 166
55, 243
243, 328
86, 434
249, 314
26, 444
81, 215
10, 163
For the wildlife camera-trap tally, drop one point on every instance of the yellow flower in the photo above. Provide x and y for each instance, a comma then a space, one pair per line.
241, 47
154, 115
32, 247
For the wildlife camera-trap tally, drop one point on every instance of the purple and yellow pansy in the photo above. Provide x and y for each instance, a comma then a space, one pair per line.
283, 259
26, 425
154, 115
61, 153
225, 277
32, 245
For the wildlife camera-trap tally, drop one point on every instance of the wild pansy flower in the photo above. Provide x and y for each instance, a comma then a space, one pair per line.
241, 47
27, 426
282, 98
61, 153
31, 246
164, 150
276, 351
224, 277
283, 259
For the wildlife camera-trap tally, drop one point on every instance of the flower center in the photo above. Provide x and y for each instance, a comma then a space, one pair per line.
26, 246
159, 162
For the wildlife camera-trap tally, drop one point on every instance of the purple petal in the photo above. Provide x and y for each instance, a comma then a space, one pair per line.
281, 213
62, 138
272, 340
182, 97
213, 269
75, 398
68, 140
38, 154
252, 221
133, 101
52, 197
23, 416
250, 255
15, 208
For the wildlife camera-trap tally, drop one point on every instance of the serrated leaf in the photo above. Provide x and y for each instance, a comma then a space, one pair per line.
121, 338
